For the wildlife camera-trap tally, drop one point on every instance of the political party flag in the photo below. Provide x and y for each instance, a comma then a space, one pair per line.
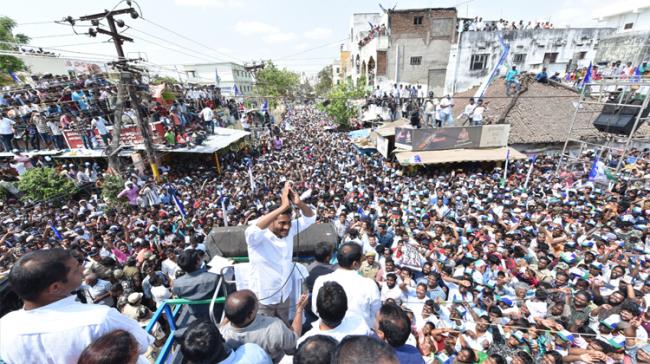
217, 80
530, 170
55, 231
505, 168
587, 78
225, 212
495, 70
236, 90
593, 172
250, 177
179, 206
265, 105
14, 77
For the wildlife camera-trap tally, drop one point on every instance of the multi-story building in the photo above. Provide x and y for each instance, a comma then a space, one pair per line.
559, 50
631, 40
409, 47
228, 76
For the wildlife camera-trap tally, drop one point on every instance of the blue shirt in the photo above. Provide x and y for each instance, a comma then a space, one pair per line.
511, 75
408, 354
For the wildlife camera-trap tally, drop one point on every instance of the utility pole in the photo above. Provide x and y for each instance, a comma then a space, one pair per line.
125, 86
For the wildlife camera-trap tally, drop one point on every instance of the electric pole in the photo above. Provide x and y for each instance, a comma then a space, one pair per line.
125, 86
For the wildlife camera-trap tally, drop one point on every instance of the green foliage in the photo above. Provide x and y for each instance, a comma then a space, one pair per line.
10, 63
3, 194
157, 80
275, 82
325, 82
41, 184
340, 107
112, 187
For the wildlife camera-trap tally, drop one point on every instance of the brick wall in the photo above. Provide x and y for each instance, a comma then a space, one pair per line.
403, 22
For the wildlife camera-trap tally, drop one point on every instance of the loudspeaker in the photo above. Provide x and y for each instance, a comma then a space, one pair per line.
231, 242
619, 119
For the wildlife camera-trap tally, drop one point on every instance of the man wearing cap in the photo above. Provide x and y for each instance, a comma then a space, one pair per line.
369, 267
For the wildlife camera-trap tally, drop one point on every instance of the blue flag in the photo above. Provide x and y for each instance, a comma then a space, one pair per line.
265, 105
587, 78
593, 173
55, 231
179, 206
236, 90
14, 77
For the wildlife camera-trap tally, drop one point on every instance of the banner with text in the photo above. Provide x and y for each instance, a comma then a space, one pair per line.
130, 135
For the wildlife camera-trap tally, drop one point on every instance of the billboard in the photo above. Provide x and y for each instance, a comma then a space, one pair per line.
382, 145
404, 138
130, 135
457, 137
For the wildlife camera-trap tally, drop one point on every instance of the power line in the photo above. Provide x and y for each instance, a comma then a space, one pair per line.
207, 57
311, 49
192, 40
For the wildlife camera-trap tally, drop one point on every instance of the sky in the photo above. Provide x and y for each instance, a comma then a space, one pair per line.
303, 36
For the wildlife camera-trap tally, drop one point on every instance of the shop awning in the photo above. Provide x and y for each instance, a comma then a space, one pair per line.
458, 156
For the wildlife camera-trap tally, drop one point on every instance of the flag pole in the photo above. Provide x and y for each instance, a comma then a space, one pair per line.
530, 171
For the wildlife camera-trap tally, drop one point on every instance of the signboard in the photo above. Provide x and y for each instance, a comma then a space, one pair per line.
404, 138
462, 137
130, 135
447, 138
382, 145
494, 136
411, 257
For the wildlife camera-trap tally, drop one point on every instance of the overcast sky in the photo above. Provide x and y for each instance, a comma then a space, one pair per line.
301, 35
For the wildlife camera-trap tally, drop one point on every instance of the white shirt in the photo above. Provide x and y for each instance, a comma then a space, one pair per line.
395, 293
60, 331
160, 293
352, 324
270, 260
100, 125
412, 302
54, 127
6, 126
247, 353
362, 293
207, 114
169, 268
478, 113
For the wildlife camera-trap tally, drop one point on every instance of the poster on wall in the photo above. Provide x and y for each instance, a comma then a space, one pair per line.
446, 138
130, 135
404, 138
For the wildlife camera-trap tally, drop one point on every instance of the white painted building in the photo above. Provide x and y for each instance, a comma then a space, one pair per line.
225, 75
631, 40
559, 50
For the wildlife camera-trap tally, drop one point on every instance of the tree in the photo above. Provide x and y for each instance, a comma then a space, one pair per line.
325, 82
275, 82
112, 187
42, 184
10, 63
157, 80
340, 106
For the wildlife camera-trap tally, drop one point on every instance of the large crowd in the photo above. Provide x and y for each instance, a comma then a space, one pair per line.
432, 265
36, 115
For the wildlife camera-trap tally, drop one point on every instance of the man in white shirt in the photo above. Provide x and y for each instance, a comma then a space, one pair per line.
208, 119
390, 289
7, 132
52, 327
99, 123
335, 320
477, 115
446, 104
270, 250
468, 112
169, 267
363, 294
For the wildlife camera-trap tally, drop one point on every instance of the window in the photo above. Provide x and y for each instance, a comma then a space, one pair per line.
191, 74
418, 20
478, 62
550, 57
628, 26
519, 58
416, 61
582, 55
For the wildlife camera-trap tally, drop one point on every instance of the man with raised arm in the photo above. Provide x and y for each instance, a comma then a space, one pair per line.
270, 251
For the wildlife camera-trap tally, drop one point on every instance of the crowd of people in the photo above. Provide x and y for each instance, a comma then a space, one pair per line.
433, 265
478, 25
35, 116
